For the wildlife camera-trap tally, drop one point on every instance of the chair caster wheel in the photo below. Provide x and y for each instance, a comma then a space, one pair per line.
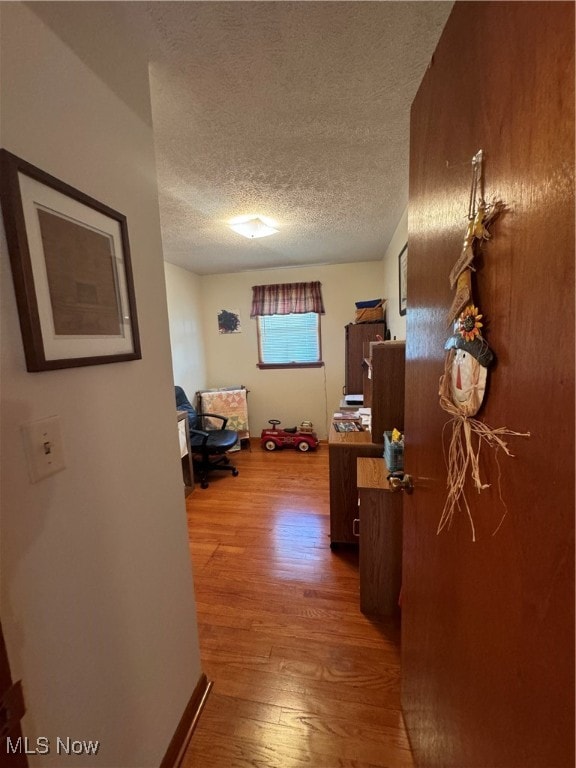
234, 472
204, 484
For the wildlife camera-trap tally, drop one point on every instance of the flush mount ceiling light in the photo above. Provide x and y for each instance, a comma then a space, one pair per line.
253, 226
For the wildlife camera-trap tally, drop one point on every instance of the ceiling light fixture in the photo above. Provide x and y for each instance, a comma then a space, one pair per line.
253, 226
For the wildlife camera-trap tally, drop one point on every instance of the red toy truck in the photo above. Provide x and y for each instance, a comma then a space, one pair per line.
302, 437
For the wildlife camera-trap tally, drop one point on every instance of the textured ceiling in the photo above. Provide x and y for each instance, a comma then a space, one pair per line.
295, 110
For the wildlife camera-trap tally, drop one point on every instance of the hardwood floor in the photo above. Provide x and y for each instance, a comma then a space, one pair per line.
302, 679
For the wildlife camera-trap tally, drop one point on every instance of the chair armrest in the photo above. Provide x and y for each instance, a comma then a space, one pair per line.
223, 419
204, 435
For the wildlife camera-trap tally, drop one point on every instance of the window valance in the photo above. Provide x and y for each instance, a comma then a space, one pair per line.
287, 299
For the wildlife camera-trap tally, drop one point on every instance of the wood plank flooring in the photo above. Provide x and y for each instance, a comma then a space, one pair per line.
302, 679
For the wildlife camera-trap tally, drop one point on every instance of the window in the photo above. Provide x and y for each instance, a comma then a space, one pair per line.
289, 341
288, 317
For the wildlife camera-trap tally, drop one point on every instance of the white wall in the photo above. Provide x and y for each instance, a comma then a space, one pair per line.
290, 395
396, 322
97, 594
183, 290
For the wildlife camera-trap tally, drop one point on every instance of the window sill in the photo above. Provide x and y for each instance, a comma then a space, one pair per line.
265, 366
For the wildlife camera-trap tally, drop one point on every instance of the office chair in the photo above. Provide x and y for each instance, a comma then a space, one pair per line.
208, 446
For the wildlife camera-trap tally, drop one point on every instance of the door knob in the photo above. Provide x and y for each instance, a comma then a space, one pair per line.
403, 483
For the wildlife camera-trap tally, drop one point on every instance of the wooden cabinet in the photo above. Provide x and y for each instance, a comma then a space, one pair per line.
385, 389
185, 452
357, 334
380, 540
344, 449
383, 385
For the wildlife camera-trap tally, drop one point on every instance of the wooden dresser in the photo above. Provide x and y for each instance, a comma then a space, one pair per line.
383, 388
344, 449
380, 529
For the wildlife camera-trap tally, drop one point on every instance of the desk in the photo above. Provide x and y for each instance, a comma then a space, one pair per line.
344, 448
380, 554
185, 452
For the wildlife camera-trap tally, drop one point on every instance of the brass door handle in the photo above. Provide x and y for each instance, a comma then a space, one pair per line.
401, 484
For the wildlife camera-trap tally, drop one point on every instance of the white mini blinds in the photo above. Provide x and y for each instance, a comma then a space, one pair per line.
288, 317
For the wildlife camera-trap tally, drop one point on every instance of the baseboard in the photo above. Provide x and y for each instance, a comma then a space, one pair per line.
183, 733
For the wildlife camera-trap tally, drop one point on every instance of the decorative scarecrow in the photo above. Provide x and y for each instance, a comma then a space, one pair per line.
468, 358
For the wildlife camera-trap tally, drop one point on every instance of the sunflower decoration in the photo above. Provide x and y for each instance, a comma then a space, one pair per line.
469, 323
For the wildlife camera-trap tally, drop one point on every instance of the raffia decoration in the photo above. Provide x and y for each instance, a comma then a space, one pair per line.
468, 436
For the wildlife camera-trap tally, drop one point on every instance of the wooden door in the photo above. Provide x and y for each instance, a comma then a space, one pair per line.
488, 626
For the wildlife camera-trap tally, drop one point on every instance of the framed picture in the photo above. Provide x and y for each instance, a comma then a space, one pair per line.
402, 275
70, 261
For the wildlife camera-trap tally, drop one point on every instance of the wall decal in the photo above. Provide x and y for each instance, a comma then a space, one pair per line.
468, 358
229, 321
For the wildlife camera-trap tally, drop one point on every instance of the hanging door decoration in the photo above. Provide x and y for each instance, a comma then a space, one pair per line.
468, 359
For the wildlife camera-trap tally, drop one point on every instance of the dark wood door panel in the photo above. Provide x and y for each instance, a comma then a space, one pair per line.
488, 626
357, 334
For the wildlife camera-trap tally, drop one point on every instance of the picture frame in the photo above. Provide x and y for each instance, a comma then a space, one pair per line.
72, 273
402, 279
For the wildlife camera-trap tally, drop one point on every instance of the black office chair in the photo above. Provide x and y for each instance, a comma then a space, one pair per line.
207, 443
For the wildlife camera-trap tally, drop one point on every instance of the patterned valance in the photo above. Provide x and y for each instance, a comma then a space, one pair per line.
287, 299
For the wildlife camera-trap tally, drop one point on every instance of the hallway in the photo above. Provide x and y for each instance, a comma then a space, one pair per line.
301, 677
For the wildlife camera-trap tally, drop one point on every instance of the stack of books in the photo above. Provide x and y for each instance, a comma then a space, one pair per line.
365, 416
347, 426
347, 421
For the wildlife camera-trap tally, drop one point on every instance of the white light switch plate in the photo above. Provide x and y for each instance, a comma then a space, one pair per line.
43, 447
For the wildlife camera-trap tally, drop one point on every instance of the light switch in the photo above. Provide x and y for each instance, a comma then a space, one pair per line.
43, 447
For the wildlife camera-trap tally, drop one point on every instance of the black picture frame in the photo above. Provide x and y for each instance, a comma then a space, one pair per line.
70, 260
402, 279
